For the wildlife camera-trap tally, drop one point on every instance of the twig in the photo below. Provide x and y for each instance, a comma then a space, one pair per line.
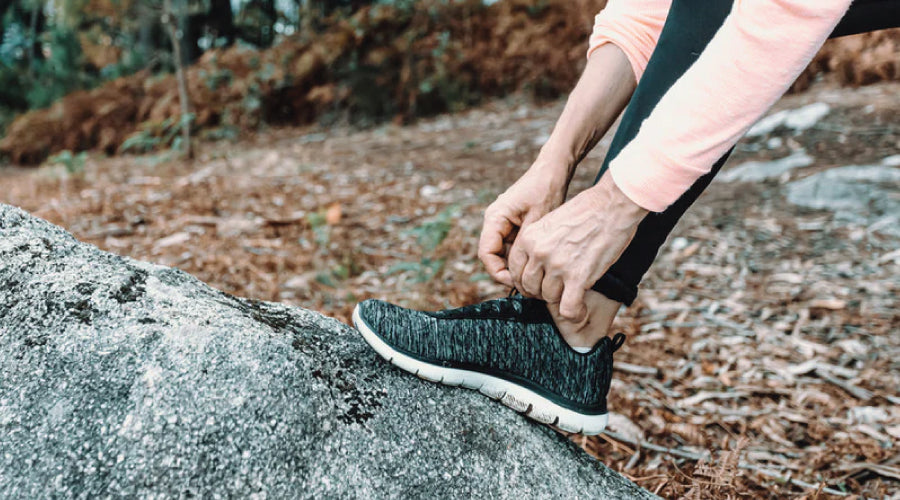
635, 369
856, 392
796, 482
633, 460
730, 324
652, 447
706, 395
609, 438
880, 469
669, 393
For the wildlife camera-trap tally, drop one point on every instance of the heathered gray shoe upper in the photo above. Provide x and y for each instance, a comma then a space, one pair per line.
512, 338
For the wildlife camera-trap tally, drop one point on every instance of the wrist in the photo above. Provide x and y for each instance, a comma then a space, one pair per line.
556, 159
553, 173
606, 195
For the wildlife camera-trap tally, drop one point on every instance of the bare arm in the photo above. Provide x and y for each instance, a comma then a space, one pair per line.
602, 92
600, 95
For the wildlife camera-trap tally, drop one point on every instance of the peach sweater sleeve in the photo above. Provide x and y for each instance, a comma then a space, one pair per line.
751, 61
633, 26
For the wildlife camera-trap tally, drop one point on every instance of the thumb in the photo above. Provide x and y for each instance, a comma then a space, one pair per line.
530, 217
571, 305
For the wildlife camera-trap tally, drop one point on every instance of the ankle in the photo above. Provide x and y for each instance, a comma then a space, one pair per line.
601, 311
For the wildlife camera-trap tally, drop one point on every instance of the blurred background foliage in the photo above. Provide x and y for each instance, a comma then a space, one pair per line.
79, 75
51, 48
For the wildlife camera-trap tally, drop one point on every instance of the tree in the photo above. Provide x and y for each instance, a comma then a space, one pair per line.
256, 22
173, 18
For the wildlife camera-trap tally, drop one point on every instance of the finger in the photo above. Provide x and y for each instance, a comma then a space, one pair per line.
571, 305
516, 263
530, 217
532, 278
491, 248
551, 288
495, 266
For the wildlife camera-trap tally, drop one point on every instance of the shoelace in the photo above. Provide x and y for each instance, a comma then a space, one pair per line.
616, 342
501, 306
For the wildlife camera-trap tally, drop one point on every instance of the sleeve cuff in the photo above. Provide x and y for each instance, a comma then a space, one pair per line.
634, 58
651, 180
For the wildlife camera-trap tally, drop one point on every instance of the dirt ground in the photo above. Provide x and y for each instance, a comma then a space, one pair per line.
762, 353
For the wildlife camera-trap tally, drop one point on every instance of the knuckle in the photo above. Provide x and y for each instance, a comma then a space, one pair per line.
557, 261
542, 253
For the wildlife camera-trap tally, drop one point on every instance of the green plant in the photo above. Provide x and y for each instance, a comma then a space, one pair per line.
429, 235
217, 78
321, 231
73, 163
432, 233
155, 135
422, 272
60, 72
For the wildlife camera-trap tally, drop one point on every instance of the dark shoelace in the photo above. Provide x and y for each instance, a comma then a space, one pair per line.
616, 342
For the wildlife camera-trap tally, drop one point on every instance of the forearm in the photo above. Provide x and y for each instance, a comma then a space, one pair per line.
745, 68
602, 92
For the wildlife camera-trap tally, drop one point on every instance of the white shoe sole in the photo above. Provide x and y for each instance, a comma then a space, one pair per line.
518, 398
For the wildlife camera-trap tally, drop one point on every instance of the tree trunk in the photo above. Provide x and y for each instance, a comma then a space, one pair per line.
221, 20
35, 47
4, 6
171, 22
147, 41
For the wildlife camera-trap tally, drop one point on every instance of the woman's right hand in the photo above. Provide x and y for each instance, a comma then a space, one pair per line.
541, 190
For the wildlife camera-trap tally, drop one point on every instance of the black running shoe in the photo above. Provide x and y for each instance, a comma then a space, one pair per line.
509, 349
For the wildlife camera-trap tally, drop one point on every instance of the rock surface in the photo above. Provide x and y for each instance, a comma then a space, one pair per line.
121, 378
755, 171
860, 195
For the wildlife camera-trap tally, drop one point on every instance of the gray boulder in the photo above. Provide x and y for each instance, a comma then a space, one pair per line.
122, 378
858, 194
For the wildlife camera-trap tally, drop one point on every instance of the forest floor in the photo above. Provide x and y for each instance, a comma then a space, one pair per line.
762, 353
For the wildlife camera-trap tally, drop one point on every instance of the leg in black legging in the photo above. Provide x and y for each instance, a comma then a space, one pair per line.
689, 26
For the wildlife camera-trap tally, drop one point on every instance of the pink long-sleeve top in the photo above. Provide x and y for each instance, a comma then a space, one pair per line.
751, 61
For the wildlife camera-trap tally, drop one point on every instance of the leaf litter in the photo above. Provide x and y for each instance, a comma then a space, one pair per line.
762, 358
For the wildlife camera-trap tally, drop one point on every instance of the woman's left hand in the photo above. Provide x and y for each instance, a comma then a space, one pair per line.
559, 257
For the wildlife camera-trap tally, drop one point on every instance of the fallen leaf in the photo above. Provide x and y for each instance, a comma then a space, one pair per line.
333, 214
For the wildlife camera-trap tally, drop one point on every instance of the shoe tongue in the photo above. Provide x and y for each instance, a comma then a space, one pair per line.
531, 310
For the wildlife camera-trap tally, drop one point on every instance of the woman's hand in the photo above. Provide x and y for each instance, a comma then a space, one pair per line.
538, 192
560, 257
602, 92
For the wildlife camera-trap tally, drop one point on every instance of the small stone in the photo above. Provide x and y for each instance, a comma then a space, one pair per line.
868, 414
503, 146
172, 240
679, 243
798, 119
428, 191
891, 161
755, 171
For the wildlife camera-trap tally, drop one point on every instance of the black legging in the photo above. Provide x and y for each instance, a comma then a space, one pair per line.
689, 26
